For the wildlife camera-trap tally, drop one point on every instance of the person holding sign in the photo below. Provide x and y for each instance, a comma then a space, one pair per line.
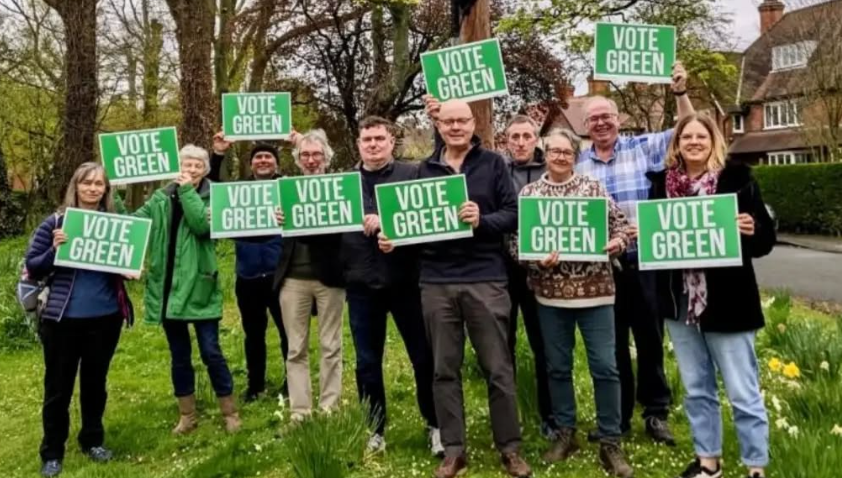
309, 269
379, 284
463, 286
577, 293
715, 312
621, 164
256, 260
182, 287
80, 326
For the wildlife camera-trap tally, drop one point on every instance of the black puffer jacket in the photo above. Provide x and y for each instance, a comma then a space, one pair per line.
733, 296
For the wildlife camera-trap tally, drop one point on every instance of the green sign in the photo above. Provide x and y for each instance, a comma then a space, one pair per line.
139, 156
469, 72
576, 228
424, 210
321, 204
642, 53
244, 209
253, 116
689, 233
104, 242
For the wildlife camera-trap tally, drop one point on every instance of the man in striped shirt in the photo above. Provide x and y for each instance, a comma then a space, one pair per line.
621, 164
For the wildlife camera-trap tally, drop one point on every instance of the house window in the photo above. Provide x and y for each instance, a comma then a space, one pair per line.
739, 127
788, 157
781, 114
796, 55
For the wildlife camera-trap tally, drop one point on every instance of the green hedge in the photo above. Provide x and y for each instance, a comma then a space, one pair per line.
807, 198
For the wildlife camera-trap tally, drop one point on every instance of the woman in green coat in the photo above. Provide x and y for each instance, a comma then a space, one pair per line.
182, 286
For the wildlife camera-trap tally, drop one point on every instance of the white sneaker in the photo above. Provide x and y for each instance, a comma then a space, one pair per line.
436, 447
376, 444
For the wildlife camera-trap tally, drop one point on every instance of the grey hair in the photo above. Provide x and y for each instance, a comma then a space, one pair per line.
611, 103
524, 119
570, 136
191, 151
71, 198
314, 136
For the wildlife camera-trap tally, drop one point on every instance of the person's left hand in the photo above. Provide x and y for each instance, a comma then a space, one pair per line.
746, 224
371, 224
614, 246
279, 216
385, 244
220, 144
631, 231
183, 179
469, 213
679, 78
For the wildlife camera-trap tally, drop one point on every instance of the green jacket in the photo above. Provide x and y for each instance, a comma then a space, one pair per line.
195, 292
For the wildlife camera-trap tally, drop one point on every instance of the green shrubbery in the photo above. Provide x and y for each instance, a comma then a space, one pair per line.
807, 198
15, 332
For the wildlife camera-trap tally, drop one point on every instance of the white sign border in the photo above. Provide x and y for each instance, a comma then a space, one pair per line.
330, 229
272, 231
566, 257
140, 179
482, 96
654, 80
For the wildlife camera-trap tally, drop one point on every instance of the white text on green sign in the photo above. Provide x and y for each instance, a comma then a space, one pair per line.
576, 228
140, 156
256, 116
321, 204
244, 209
469, 72
643, 53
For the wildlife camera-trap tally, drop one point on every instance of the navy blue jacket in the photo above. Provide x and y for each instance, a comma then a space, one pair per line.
256, 256
480, 258
40, 259
363, 262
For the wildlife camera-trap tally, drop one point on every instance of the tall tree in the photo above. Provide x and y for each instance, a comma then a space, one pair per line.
80, 105
476, 26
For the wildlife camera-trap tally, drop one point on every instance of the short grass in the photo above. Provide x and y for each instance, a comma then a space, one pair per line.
141, 410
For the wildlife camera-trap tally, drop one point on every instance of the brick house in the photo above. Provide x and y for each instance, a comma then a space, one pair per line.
778, 117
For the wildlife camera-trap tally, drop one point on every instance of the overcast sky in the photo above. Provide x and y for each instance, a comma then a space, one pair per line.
746, 20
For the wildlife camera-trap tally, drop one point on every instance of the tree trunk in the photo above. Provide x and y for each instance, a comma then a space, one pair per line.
477, 26
223, 45
80, 103
194, 22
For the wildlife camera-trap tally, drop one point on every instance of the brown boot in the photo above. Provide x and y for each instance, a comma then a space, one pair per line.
613, 460
452, 466
229, 414
565, 445
515, 466
187, 415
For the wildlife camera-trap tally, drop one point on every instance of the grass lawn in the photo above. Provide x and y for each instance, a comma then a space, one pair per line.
141, 410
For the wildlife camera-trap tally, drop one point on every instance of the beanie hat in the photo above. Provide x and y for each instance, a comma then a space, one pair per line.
263, 148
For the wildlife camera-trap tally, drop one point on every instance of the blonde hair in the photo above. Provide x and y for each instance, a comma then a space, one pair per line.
718, 152
71, 197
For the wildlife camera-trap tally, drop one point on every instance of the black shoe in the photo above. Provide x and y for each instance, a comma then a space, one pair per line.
696, 470
594, 436
659, 430
51, 468
99, 454
253, 395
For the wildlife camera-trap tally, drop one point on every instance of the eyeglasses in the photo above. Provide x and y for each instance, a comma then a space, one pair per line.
555, 153
316, 156
603, 118
448, 123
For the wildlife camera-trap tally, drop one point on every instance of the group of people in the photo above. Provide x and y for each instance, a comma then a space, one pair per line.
439, 292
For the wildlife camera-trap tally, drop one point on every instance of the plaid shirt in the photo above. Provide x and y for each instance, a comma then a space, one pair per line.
624, 175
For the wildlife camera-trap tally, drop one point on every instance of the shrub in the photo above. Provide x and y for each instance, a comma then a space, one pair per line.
806, 197
15, 332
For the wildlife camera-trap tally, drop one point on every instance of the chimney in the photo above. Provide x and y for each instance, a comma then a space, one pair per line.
597, 87
771, 12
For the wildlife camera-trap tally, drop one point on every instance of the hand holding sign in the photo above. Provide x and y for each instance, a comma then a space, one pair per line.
279, 216
385, 244
469, 214
432, 106
746, 224
679, 78
59, 238
550, 261
371, 224
614, 247
220, 144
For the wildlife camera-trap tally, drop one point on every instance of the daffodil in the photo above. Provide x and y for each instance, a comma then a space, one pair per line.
791, 370
793, 431
837, 430
825, 366
775, 365
781, 423
782, 327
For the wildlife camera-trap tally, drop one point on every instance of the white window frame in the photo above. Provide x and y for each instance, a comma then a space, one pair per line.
792, 56
780, 158
738, 118
784, 114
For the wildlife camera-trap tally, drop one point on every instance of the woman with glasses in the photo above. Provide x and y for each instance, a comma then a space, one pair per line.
578, 293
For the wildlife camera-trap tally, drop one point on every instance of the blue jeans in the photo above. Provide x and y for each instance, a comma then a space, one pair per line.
558, 327
183, 376
699, 355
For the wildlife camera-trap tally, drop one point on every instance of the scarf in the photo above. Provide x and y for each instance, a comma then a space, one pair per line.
679, 184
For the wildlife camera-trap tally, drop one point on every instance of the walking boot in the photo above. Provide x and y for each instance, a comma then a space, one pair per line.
187, 421
564, 445
613, 460
229, 414
515, 465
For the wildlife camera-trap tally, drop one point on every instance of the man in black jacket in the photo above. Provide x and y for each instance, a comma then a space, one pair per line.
378, 284
257, 258
463, 286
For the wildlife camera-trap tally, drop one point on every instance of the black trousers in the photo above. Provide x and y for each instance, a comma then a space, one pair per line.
254, 297
71, 345
523, 298
635, 311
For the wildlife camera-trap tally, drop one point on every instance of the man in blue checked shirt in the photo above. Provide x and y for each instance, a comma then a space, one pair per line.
621, 164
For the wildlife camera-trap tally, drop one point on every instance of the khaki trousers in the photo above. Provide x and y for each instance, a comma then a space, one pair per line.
296, 304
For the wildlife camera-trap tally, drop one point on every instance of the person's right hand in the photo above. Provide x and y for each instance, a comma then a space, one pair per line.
631, 231
371, 224
220, 145
59, 238
550, 261
432, 106
183, 179
279, 216
294, 137
385, 244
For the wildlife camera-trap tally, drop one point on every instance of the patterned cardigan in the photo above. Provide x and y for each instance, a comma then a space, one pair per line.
574, 284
